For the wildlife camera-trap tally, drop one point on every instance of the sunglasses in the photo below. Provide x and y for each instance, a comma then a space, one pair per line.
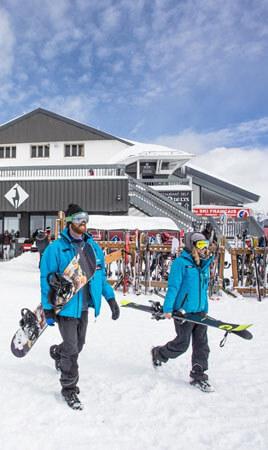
78, 218
201, 245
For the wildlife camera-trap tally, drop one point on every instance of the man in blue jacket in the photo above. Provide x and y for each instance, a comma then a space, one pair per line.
187, 290
73, 318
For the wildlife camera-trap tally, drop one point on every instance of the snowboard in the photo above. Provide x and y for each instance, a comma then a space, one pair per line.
203, 319
63, 287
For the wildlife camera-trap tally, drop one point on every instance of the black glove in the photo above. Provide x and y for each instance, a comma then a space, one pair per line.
114, 308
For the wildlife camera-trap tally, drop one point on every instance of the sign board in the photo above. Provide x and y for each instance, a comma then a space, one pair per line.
16, 196
231, 212
182, 198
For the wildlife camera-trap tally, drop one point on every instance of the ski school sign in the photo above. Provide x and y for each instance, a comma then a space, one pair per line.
218, 211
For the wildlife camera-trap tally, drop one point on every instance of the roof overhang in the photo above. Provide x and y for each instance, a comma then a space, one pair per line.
152, 153
221, 186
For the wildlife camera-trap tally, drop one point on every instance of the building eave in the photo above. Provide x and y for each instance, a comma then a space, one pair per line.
221, 186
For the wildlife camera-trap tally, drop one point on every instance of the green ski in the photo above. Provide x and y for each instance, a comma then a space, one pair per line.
203, 319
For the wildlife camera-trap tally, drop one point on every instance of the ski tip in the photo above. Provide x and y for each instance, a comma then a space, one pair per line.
243, 327
233, 328
125, 302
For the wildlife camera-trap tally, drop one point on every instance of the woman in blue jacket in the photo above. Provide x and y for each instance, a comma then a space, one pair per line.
73, 318
187, 290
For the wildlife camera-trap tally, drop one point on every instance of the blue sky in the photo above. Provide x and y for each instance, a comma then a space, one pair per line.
149, 70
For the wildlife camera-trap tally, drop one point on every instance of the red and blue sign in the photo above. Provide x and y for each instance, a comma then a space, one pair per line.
230, 212
243, 214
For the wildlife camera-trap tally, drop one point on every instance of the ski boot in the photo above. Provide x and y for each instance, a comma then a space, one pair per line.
71, 398
199, 379
54, 354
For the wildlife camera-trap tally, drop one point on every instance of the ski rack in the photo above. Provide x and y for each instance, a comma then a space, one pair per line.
133, 263
251, 279
146, 265
141, 278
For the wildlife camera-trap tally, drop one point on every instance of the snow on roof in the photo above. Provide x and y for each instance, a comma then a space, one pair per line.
140, 149
101, 222
172, 187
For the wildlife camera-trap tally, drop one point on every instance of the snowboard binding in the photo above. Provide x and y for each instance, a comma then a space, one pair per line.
29, 323
157, 312
61, 289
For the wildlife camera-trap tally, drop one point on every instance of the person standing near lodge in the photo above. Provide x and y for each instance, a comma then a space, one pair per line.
73, 318
6, 245
210, 234
187, 291
42, 241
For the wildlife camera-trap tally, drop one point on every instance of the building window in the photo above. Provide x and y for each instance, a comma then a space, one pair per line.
165, 165
40, 151
36, 223
8, 151
74, 150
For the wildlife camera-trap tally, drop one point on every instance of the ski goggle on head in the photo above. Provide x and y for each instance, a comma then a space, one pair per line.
201, 245
78, 218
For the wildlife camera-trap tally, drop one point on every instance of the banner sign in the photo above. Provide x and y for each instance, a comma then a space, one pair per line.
218, 211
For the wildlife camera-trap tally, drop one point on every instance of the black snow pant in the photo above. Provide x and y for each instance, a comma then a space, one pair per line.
73, 333
179, 345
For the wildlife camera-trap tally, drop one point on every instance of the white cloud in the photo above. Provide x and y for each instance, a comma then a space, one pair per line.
74, 106
110, 18
59, 12
168, 47
7, 42
246, 168
243, 134
224, 154
62, 42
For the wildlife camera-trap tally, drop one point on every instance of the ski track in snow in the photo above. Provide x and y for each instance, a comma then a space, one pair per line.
129, 405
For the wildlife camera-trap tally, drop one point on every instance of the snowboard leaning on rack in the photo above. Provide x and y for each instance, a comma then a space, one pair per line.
63, 287
157, 313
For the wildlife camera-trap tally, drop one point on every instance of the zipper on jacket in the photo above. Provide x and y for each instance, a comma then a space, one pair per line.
199, 303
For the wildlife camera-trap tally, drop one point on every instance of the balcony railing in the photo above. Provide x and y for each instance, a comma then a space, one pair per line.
167, 181
50, 172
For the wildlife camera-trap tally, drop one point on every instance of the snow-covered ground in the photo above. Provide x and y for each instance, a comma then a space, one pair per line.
127, 404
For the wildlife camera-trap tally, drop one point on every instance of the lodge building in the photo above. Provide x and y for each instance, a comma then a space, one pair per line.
48, 161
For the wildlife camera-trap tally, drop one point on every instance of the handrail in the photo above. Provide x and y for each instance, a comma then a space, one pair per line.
153, 202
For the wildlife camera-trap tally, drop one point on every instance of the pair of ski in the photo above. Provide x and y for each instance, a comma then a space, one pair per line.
155, 309
33, 324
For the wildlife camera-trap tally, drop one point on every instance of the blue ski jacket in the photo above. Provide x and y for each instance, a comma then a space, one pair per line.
56, 258
187, 285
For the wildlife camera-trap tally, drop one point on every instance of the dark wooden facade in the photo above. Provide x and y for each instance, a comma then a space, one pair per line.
96, 196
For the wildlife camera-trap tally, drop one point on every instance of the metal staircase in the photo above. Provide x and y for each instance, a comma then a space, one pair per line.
153, 203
